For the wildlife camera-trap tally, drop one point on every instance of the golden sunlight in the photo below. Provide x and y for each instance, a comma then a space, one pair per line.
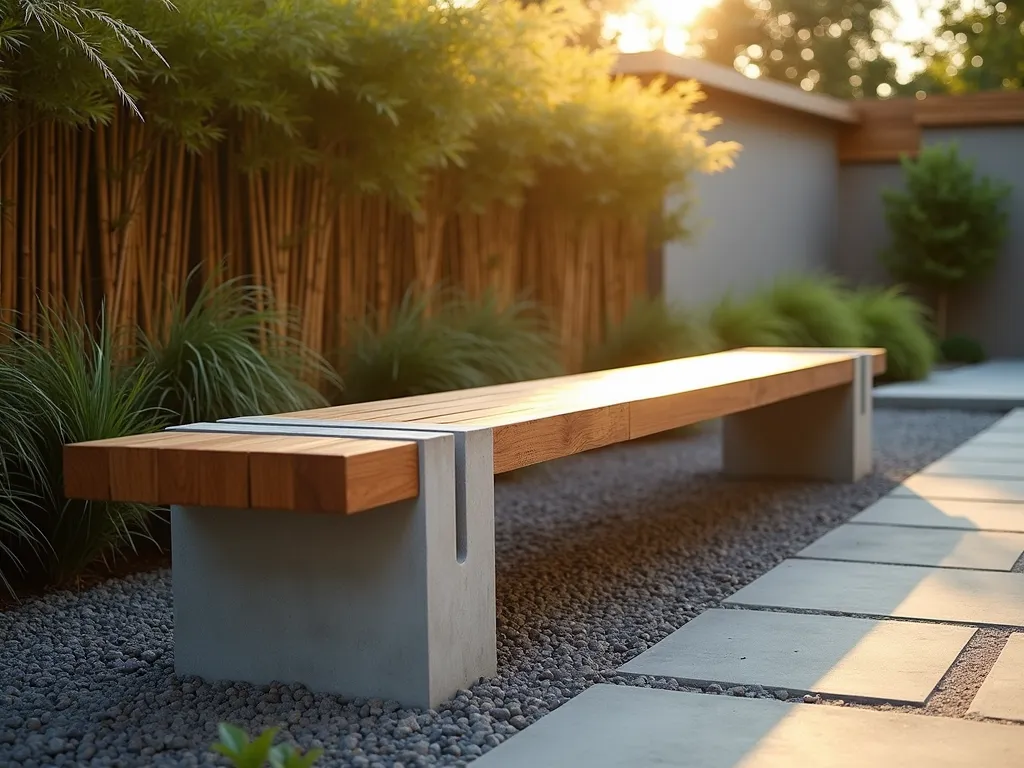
656, 24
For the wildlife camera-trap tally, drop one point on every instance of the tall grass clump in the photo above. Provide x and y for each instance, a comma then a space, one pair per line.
232, 353
899, 323
751, 323
460, 344
652, 331
817, 313
71, 390
506, 343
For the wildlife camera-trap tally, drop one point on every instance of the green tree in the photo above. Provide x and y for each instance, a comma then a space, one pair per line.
36, 34
977, 48
826, 46
947, 226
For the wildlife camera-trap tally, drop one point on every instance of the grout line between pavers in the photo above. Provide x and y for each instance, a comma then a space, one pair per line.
914, 565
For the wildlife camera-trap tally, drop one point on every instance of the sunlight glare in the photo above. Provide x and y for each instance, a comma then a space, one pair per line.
656, 24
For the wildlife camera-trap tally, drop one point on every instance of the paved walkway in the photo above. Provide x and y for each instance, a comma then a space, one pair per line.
915, 607
994, 386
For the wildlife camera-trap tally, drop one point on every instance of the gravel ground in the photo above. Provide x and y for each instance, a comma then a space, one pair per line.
599, 557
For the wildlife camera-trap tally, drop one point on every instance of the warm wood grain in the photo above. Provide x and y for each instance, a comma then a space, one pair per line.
540, 421
886, 130
532, 422
321, 474
889, 128
1004, 107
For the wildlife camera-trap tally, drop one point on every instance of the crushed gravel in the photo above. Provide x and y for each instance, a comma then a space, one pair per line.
599, 557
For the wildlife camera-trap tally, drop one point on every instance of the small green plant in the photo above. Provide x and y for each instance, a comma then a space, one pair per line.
651, 331
69, 390
899, 323
231, 354
506, 344
962, 349
816, 313
947, 227
459, 345
235, 745
750, 323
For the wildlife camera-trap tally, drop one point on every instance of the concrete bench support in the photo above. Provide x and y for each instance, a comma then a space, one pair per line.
825, 435
397, 603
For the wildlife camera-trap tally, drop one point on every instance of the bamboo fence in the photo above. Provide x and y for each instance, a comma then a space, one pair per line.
120, 215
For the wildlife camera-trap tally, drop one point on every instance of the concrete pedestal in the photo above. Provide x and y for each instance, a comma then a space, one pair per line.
825, 435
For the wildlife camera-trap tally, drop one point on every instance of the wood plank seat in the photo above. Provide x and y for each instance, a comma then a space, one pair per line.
532, 422
398, 600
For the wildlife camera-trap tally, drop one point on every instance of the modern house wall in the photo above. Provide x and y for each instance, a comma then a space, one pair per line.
805, 194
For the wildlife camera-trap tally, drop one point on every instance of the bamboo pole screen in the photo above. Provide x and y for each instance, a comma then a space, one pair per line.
119, 214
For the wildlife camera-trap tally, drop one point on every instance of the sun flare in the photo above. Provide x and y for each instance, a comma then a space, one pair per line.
651, 24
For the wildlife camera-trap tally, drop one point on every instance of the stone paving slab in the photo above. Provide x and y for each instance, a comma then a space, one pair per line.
974, 452
901, 591
899, 662
967, 488
610, 726
938, 547
1004, 436
961, 467
1013, 420
1002, 694
996, 385
944, 513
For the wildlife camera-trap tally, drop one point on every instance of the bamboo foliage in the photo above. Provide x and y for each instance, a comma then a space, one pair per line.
120, 214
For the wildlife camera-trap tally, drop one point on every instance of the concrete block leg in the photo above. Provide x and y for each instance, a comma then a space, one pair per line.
393, 603
824, 435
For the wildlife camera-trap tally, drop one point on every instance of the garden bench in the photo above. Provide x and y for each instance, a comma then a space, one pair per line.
352, 548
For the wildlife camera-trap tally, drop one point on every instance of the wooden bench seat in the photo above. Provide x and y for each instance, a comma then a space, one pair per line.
398, 601
532, 422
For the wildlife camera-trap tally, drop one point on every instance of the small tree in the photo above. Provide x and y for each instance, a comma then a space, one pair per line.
947, 226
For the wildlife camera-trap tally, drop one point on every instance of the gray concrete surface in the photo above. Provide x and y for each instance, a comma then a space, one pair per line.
944, 513
965, 488
861, 659
1002, 694
901, 591
997, 385
622, 727
938, 547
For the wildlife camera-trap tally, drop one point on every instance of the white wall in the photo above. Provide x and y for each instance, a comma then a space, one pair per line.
775, 213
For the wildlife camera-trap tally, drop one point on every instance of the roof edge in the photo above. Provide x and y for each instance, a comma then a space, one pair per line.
718, 77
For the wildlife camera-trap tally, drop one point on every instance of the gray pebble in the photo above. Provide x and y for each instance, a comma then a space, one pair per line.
88, 677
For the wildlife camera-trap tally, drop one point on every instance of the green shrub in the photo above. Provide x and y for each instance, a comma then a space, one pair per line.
505, 344
652, 331
947, 226
817, 313
231, 354
962, 349
750, 323
460, 345
67, 391
235, 745
386, 93
898, 323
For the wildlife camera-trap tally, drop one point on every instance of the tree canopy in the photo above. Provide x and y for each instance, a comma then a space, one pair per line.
977, 48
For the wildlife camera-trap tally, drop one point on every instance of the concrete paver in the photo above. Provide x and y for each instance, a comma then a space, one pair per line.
901, 591
1002, 694
612, 726
938, 547
944, 513
862, 659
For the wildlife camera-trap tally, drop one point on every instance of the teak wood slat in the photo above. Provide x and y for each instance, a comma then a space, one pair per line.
532, 422
244, 471
539, 421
